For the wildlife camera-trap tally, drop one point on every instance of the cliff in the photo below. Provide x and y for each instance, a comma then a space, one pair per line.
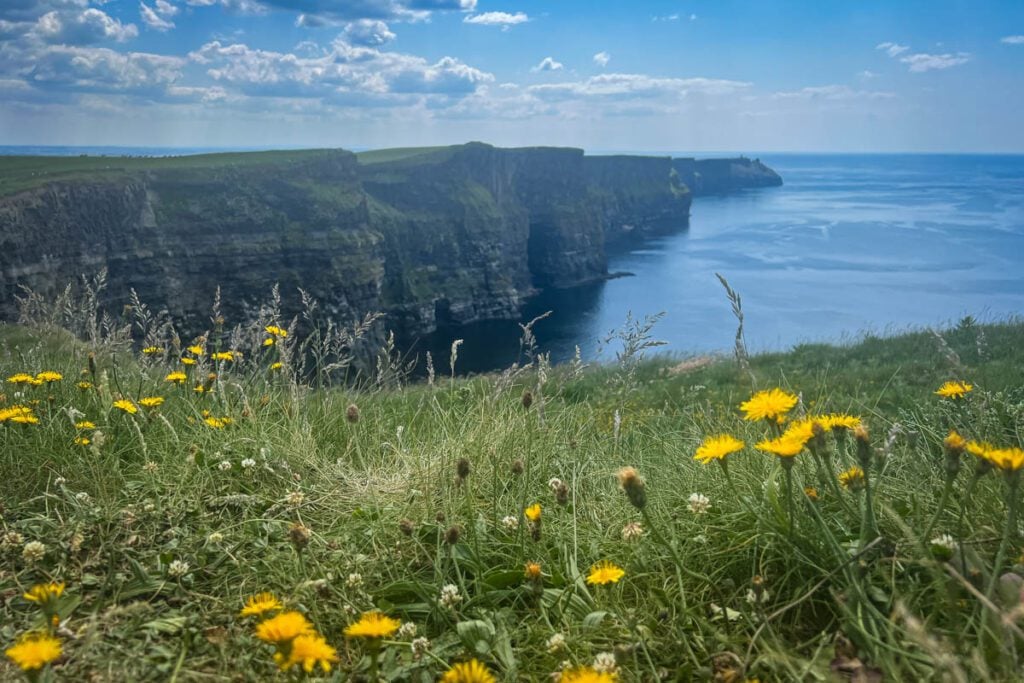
720, 176
428, 236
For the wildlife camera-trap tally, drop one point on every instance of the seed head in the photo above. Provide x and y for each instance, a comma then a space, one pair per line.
462, 469
352, 413
633, 485
517, 467
451, 537
527, 399
407, 526
299, 534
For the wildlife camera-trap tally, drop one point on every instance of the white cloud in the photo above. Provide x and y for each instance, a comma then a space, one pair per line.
503, 19
832, 92
1013, 40
922, 62
667, 17
892, 49
81, 28
100, 69
30, 10
548, 64
630, 86
165, 8
368, 32
693, 17
602, 58
867, 75
153, 20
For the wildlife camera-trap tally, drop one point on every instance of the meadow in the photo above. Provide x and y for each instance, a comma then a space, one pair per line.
262, 503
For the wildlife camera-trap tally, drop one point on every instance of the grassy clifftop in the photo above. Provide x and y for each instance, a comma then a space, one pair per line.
162, 517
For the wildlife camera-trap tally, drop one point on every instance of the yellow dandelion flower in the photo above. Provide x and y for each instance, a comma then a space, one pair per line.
196, 350
33, 651
768, 405
24, 419
603, 573
269, 341
811, 492
717, 448
151, 401
44, 592
21, 378
373, 625
838, 421
283, 628
215, 422
308, 650
177, 377
954, 441
188, 361
85, 424
126, 406
852, 478
533, 512
13, 413
259, 604
275, 331
980, 449
49, 376
84, 385
224, 356
468, 672
276, 366
152, 350
783, 446
532, 571
586, 674
1006, 459
955, 389
82, 441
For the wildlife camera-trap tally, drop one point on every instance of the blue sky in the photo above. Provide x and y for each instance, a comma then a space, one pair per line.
666, 75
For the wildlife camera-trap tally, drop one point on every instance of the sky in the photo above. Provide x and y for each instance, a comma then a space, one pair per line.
605, 75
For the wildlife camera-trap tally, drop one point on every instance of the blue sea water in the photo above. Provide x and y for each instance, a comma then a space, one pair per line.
851, 244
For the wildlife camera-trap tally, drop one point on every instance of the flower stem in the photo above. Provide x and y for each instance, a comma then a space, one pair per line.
787, 466
1010, 528
943, 499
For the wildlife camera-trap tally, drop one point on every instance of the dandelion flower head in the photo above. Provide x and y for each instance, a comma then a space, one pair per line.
768, 405
717, 448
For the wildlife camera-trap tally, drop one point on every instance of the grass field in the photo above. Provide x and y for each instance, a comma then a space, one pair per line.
420, 501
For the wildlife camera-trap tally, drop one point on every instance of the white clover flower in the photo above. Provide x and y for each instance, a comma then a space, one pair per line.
632, 531
419, 647
215, 538
407, 630
605, 663
150, 467
450, 596
12, 538
554, 483
699, 503
354, 580
33, 551
82, 497
248, 464
556, 643
944, 541
295, 498
510, 522
60, 481
224, 465
177, 569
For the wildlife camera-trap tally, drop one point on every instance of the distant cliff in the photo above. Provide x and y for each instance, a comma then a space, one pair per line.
428, 236
720, 176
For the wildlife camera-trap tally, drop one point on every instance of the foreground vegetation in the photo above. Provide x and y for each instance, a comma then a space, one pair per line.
534, 521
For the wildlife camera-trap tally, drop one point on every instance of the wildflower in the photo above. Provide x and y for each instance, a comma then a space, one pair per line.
354, 580
152, 350
510, 522
836, 421
603, 573
269, 341
352, 413
34, 551
783, 446
283, 628
373, 625
954, 389
275, 331
49, 376
226, 356
633, 485
517, 467
954, 442
276, 365
248, 463
260, 604
12, 538
126, 406
586, 674
468, 672
299, 534
755, 598
555, 643
295, 498
177, 377
605, 663
150, 467
462, 469
308, 650
33, 651
407, 526
532, 513
730, 614
532, 571
82, 441
419, 647
451, 537
84, 385
450, 596
717, 448
21, 378
407, 630
698, 503
15, 413
852, 479
177, 569
196, 350
82, 497
215, 422
216, 538
42, 593
224, 465
151, 401
85, 424
944, 541
768, 405
1007, 459
811, 493
632, 531
188, 361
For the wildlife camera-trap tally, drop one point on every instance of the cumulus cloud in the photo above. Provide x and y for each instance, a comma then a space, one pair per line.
602, 58
81, 28
101, 69
1013, 40
548, 64
503, 19
368, 32
921, 62
30, 10
153, 20
165, 8
892, 49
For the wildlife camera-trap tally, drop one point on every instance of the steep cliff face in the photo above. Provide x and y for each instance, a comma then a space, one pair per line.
445, 235
720, 176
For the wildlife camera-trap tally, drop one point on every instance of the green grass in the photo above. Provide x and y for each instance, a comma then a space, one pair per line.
380, 156
380, 496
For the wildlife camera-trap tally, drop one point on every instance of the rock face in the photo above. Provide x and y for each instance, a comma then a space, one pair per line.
441, 235
720, 176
